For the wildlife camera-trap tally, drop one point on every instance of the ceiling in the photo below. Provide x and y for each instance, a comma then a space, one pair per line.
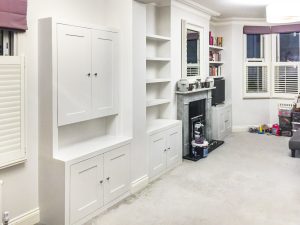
238, 8
234, 8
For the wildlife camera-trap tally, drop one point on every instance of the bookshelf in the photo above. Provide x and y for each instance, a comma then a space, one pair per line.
215, 56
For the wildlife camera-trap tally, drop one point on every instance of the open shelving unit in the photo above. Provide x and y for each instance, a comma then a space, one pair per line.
215, 61
158, 67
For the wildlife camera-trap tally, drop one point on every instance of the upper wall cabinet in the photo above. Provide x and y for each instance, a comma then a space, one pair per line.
87, 67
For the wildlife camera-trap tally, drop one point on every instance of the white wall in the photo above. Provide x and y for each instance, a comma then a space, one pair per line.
181, 12
21, 182
245, 112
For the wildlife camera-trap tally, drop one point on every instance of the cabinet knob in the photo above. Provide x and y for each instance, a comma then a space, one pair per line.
96, 74
169, 148
108, 178
89, 74
165, 150
101, 181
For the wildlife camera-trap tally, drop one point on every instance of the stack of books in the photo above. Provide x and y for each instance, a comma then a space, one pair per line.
215, 71
215, 41
214, 56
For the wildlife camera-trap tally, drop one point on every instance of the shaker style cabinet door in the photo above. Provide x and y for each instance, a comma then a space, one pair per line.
157, 153
174, 146
74, 73
86, 188
104, 73
116, 173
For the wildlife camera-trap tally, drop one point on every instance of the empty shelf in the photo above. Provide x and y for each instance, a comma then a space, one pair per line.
154, 102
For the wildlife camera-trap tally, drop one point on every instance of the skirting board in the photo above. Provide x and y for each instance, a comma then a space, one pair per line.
240, 128
29, 218
139, 184
245, 128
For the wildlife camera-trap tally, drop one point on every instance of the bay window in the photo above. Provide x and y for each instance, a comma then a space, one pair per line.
272, 61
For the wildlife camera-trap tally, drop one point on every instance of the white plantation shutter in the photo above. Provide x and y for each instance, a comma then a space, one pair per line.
256, 80
286, 80
12, 146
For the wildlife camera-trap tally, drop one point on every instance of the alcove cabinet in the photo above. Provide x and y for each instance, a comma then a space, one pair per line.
84, 156
86, 69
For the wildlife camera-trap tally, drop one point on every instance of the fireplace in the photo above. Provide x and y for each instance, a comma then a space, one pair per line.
195, 107
197, 115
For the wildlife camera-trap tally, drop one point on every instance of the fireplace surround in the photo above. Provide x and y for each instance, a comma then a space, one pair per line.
192, 104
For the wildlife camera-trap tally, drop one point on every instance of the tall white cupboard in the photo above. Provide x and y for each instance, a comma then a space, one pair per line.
84, 161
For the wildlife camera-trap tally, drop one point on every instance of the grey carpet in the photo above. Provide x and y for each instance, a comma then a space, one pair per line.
250, 180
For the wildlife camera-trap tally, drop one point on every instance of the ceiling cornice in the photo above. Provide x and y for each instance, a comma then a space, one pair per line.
197, 6
217, 21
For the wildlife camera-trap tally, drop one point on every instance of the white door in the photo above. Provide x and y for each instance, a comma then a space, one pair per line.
86, 188
174, 146
116, 173
74, 74
105, 69
158, 149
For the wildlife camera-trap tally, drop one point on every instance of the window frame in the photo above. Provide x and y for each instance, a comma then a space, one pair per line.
5, 37
274, 63
264, 62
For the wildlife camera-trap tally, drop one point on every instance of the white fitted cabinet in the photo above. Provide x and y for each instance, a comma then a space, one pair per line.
86, 188
98, 181
87, 66
165, 150
221, 121
116, 173
84, 164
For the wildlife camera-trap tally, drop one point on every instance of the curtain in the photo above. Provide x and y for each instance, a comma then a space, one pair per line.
257, 30
13, 14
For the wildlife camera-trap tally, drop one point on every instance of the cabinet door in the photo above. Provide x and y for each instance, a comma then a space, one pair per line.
86, 188
74, 74
105, 69
228, 120
158, 162
174, 146
222, 128
116, 173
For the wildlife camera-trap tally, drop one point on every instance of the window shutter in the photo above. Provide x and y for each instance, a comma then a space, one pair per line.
12, 140
286, 80
193, 70
256, 83
257, 79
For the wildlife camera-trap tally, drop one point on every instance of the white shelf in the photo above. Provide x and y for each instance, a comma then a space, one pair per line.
155, 102
157, 125
214, 47
216, 62
158, 59
89, 147
157, 37
217, 76
158, 80
194, 91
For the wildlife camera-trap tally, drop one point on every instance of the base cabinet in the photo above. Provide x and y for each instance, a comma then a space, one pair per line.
97, 181
221, 121
165, 150
86, 188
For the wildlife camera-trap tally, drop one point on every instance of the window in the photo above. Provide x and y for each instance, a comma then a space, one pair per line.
7, 43
286, 65
255, 47
288, 47
256, 78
